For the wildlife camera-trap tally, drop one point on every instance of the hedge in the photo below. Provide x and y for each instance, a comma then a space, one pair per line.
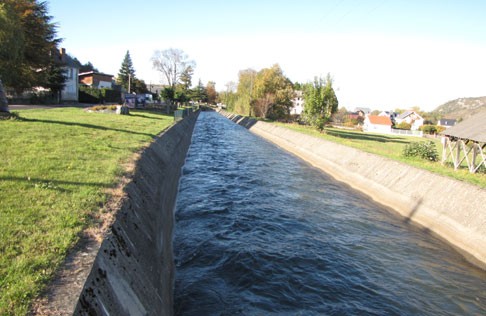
95, 95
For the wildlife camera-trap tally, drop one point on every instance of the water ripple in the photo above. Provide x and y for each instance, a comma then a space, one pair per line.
259, 232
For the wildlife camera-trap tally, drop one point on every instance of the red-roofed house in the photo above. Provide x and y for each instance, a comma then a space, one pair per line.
377, 124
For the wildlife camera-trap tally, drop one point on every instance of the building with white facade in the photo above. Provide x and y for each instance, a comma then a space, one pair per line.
70, 92
377, 124
412, 118
297, 103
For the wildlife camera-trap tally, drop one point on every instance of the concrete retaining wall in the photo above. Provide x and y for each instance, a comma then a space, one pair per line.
133, 273
454, 210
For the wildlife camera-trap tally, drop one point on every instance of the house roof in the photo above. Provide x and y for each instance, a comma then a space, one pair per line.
447, 122
379, 120
91, 73
364, 110
473, 128
406, 114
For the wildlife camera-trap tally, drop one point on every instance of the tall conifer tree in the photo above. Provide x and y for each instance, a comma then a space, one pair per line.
28, 39
126, 73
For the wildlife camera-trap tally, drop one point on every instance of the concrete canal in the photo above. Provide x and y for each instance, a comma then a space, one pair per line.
258, 231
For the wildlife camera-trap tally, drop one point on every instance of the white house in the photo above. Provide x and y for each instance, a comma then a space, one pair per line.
412, 118
377, 124
70, 92
297, 103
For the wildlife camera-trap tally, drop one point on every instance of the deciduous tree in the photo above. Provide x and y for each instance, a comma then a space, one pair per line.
273, 93
320, 102
246, 82
172, 63
138, 86
229, 96
211, 92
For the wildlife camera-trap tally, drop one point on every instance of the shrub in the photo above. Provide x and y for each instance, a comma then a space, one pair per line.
404, 125
428, 129
349, 124
95, 95
98, 108
424, 150
440, 129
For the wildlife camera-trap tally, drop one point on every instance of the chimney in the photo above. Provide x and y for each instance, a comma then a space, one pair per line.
62, 53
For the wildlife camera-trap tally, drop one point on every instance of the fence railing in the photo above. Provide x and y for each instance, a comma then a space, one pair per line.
407, 132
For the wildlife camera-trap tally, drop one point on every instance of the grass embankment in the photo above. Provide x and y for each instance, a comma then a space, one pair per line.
56, 168
390, 146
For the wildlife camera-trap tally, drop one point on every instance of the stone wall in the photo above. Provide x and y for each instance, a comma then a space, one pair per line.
454, 210
133, 273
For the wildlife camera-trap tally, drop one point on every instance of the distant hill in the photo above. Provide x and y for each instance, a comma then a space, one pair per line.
461, 108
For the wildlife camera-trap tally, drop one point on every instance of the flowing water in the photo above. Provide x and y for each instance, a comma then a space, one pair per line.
260, 232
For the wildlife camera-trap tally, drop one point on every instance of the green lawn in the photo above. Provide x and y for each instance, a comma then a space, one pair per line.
390, 146
56, 167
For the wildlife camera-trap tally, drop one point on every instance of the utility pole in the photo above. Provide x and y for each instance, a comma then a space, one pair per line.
129, 78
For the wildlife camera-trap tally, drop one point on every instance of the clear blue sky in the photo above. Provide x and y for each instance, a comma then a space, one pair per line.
381, 53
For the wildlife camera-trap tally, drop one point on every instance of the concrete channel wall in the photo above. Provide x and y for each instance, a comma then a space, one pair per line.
454, 210
133, 273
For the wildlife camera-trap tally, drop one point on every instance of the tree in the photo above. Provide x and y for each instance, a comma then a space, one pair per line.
87, 67
340, 116
199, 94
298, 86
126, 73
320, 102
228, 97
3, 99
138, 86
273, 93
56, 78
11, 48
168, 94
211, 92
246, 82
28, 35
172, 63
186, 77
181, 94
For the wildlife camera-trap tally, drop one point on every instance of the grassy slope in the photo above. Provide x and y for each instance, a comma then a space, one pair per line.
56, 167
389, 146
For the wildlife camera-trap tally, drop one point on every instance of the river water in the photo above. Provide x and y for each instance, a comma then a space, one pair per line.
261, 232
